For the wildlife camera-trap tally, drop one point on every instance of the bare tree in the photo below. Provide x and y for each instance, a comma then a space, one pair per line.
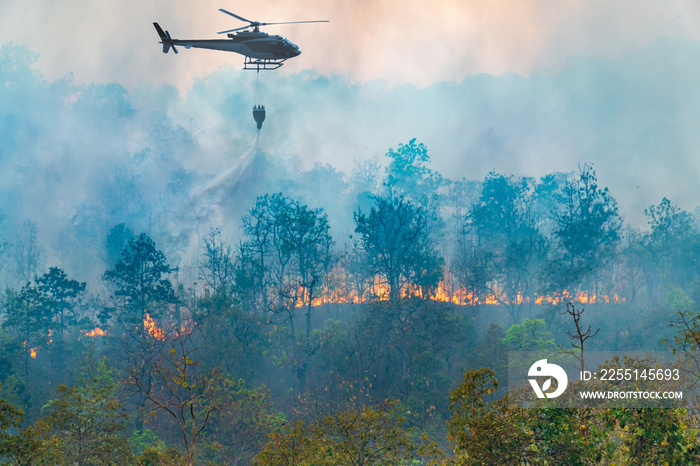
580, 336
173, 382
217, 266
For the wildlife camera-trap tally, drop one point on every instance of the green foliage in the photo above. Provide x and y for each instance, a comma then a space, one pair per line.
493, 432
371, 435
654, 436
86, 423
261, 260
155, 456
150, 450
140, 441
687, 321
566, 437
531, 335
239, 427
14, 391
482, 432
679, 301
283, 264
30, 445
10, 419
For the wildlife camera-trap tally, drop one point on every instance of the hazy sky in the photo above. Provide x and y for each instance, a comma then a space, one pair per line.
523, 87
400, 41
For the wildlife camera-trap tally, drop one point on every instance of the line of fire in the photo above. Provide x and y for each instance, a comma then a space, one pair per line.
461, 296
380, 292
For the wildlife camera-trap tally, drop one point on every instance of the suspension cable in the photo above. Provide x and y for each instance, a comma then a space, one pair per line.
258, 92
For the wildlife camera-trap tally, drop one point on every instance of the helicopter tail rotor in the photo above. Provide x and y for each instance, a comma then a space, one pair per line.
165, 39
171, 44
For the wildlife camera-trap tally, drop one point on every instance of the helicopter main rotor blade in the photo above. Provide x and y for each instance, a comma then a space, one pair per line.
254, 25
235, 16
231, 30
295, 22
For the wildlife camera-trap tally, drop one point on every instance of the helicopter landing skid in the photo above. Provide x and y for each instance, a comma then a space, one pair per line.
262, 64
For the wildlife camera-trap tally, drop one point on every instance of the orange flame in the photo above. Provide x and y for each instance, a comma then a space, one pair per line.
150, 326
33, 352
97, 331
377, 290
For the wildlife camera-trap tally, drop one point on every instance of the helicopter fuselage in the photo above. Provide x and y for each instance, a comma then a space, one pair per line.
253, 44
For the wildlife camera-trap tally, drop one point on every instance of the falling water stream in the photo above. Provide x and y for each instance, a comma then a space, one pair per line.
208, 204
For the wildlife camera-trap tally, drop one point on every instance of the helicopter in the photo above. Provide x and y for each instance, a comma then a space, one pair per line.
261, 50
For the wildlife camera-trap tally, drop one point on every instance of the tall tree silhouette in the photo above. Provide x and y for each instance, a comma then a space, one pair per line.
139, 279
397, 243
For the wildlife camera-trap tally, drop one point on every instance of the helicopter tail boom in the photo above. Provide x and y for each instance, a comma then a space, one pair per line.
165, 39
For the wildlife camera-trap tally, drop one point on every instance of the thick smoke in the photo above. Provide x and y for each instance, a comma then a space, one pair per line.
76, 160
